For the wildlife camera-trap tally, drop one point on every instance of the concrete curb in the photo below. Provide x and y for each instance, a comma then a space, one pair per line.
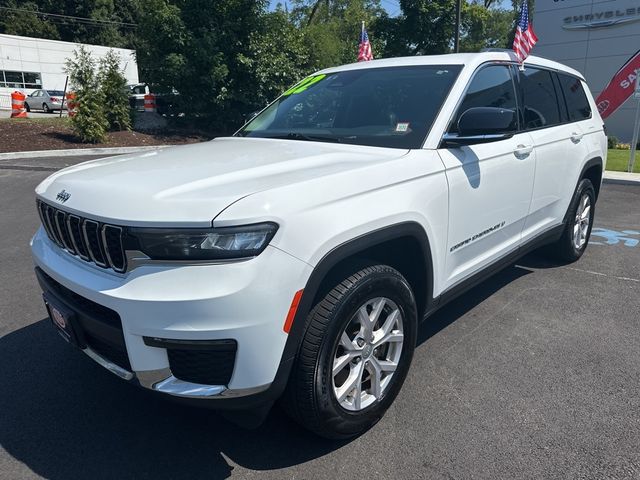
621, 178
79, 152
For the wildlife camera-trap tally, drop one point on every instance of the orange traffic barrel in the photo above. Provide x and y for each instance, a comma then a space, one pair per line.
72, 105
17, 105
149, 103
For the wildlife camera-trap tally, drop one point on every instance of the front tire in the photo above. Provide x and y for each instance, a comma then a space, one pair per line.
26, 106
577, 231
355, 354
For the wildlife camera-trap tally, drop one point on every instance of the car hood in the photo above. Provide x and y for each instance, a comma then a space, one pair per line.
189, 185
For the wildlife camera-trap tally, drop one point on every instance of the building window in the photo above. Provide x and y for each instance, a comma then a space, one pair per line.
11, 79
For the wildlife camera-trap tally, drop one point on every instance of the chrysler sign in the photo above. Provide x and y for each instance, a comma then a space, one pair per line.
601, 19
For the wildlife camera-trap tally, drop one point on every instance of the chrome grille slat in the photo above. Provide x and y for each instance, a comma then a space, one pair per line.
41, 212
87, 239
61, 224
91, 230
113, 247
50, 214
77, 238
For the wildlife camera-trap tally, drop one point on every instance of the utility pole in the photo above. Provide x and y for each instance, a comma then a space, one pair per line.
456, 41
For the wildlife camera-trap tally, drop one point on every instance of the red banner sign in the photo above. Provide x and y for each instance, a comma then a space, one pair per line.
620, 87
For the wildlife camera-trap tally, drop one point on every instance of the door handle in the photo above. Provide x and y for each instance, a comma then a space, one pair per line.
523, 151
576, 137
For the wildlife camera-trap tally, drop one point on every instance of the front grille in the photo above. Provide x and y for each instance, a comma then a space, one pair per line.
91, 241
212, 365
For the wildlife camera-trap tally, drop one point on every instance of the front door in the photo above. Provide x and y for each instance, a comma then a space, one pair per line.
490, 184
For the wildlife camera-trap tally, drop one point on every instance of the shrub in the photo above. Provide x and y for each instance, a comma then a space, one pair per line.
612, 142
113, 86
89, 122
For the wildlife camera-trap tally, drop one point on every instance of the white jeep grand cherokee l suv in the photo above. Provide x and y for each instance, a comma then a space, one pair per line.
295, 259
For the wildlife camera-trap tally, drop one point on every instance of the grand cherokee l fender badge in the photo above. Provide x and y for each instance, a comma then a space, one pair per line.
477, 236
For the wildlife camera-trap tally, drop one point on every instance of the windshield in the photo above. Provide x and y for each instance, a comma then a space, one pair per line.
55, 93
383, 107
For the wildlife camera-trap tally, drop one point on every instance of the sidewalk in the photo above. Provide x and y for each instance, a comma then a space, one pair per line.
622, 178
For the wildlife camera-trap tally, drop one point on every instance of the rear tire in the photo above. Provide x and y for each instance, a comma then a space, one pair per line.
355, 354
576, 233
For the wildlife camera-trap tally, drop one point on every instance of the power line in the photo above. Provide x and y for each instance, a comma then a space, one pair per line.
82, 20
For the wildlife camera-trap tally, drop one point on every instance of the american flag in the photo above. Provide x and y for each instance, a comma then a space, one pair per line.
525, 38
364, 51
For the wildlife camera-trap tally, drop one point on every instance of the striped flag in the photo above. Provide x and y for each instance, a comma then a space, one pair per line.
525, 38
364, 51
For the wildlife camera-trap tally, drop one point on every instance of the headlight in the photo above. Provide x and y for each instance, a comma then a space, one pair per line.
202, 244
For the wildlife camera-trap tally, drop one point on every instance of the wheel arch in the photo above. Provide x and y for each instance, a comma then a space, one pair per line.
395, 245
593, 170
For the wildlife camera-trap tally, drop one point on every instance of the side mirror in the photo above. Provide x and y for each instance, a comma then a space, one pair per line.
482, 125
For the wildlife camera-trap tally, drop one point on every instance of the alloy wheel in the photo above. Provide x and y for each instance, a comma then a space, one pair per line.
368, 354
582, 222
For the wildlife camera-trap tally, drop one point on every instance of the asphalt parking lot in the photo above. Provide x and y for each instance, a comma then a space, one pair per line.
533, 374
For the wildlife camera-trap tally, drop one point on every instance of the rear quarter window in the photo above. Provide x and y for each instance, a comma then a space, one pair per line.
577, 102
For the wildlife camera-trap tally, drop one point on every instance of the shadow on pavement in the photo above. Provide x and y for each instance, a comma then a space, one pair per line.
65, 417
468, 300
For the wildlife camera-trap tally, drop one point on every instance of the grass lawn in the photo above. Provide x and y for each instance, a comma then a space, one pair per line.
619, 159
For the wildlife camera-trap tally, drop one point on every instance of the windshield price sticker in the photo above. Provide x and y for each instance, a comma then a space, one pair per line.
304, 84
402, 126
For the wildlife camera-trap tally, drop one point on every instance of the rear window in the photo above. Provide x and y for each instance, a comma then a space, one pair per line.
540, 99
577, 103
55, 93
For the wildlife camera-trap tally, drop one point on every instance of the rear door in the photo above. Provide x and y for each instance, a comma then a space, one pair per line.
558, 141
490, 184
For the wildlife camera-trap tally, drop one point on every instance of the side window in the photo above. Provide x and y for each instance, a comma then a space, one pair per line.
577, 102
541, 107
491, 86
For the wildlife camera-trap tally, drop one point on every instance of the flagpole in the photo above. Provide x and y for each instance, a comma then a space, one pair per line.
456, 40
634, 140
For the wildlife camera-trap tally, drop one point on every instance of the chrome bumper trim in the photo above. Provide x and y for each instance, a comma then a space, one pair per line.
163, 381
180, 388
112, 367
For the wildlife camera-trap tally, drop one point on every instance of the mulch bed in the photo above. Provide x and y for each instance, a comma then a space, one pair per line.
24, 135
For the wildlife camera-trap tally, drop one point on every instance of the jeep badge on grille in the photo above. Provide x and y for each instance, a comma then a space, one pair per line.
63, 196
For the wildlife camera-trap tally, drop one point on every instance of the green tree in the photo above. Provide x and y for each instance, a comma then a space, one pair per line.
99, 22
113, 89
23, 19
425, 27
276, 58
331, 28
89, 122
484, 27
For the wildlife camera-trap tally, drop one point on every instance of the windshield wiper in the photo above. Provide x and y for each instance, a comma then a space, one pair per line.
306, 137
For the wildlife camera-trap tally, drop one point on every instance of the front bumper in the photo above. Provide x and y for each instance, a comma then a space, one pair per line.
245, 302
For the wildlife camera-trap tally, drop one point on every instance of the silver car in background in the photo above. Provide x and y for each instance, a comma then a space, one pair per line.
45, 100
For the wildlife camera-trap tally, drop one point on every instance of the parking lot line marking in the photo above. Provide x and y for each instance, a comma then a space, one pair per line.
604, 274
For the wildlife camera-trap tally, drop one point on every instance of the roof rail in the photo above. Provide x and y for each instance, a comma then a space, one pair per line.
507, 50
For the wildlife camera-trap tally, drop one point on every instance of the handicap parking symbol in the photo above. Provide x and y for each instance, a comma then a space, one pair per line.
613, 237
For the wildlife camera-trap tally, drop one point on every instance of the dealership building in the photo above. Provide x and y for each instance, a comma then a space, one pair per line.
27, 64
595, 37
